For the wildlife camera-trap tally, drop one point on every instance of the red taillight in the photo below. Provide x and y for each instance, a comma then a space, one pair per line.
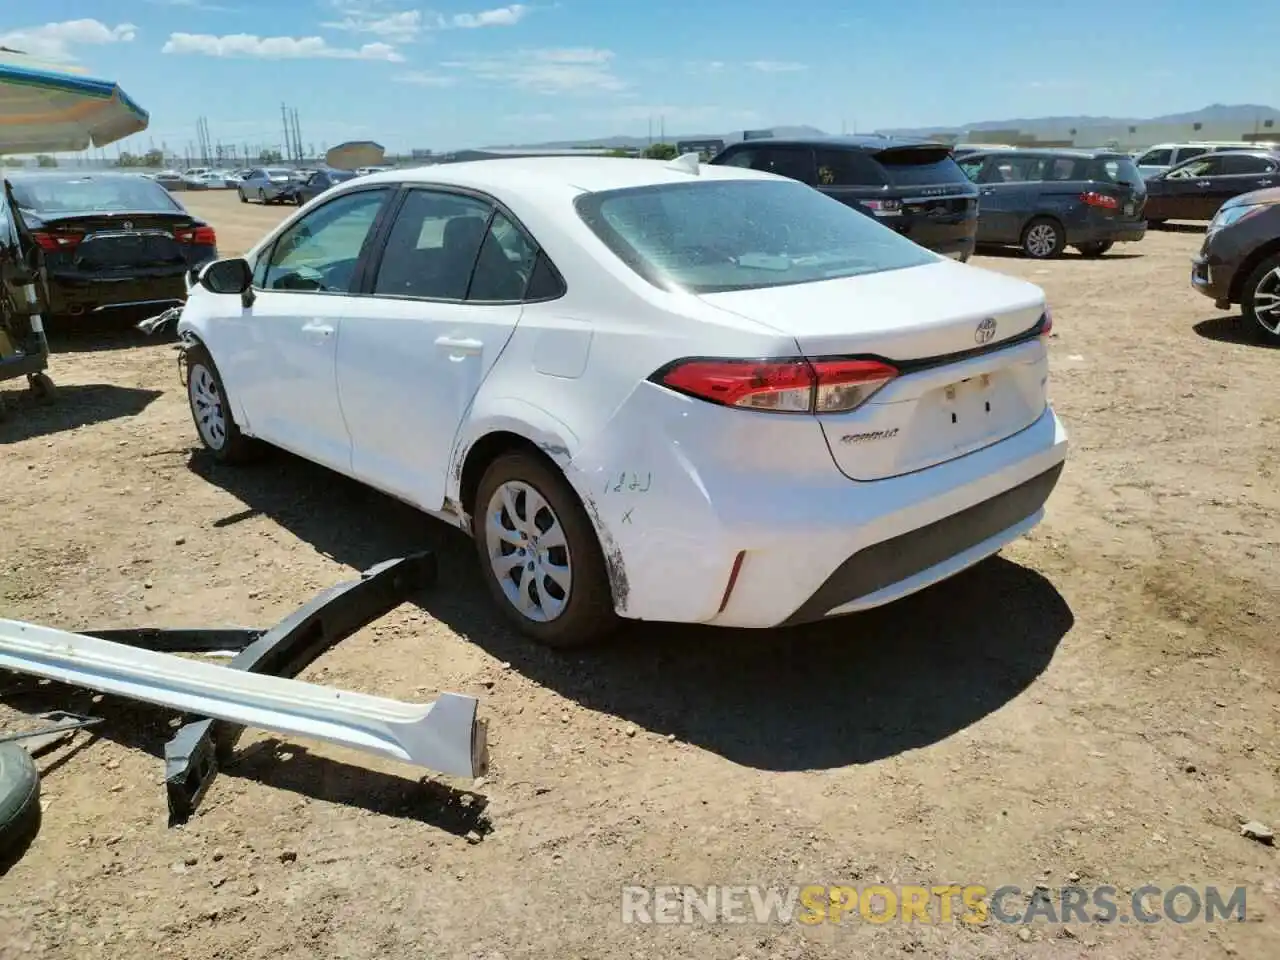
54, 242
1102, 200
204, 236
780, 386
883, 208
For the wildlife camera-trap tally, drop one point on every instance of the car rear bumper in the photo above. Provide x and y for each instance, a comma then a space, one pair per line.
784, 538
1116, 232
73, 297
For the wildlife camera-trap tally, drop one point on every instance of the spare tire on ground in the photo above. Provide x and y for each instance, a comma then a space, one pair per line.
19, 802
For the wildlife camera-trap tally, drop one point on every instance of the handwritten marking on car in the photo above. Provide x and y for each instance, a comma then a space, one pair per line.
870, 435
626, 517
628, 481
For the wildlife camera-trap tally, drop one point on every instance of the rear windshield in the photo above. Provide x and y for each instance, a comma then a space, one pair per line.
93, 194
717, 236
921, 166
1119, 169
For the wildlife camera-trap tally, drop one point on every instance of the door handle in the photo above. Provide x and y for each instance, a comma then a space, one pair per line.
986, 193
460, 344
315, 326
1264, 183
1204, 183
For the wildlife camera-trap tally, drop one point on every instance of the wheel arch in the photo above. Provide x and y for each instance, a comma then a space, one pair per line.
1236, 292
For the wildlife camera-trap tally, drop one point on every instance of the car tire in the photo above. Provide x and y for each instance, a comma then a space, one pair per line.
211, 413
19, 802
1095, 249
262, 196
1043, 239
1156, 224
581, 615
1263, 282
243, 198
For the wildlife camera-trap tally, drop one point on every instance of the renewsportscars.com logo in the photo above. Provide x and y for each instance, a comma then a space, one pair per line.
971, 904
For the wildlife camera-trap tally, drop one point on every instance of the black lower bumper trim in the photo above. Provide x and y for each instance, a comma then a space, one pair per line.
892, 561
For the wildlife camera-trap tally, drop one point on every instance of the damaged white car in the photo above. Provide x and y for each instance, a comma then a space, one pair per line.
656, 391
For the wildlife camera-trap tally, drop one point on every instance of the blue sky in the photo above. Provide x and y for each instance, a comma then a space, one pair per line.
470, 72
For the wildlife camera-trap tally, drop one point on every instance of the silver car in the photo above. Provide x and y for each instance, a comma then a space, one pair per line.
264, 184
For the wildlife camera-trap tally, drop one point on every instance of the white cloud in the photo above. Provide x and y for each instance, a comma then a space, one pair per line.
498, 17
568, 70
776, 66
247, 45
423, 79
382, 18
55, 41
399, 26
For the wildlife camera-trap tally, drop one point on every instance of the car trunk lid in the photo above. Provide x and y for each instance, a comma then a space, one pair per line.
95, 242
972, 366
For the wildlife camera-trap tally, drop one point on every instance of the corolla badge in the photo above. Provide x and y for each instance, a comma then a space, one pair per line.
985, 332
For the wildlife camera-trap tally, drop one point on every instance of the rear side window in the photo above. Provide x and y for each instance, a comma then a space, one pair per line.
1117, 170
793, 162
433, 246
920, 166
1156, 158
1187, 153
847, 168
1243, 163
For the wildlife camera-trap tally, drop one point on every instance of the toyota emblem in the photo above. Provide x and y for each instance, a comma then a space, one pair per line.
985, 332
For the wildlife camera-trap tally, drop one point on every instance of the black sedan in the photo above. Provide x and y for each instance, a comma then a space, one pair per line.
321, 180
1196, 188
107, 240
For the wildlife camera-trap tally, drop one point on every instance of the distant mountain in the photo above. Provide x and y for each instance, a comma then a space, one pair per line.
618, 141
1244, 114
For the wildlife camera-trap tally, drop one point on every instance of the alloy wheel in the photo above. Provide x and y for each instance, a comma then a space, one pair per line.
528, 551
1266, 302
206, 404
1042, 239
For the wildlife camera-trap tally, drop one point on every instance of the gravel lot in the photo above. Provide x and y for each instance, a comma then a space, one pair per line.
1100, 703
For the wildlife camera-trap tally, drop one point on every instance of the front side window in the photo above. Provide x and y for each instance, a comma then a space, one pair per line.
1188, 153
1156, 158
433, 246
318, 254
1200, 167
717, 236
972, 167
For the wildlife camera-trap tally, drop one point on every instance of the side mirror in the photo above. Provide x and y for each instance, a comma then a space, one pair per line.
233, 276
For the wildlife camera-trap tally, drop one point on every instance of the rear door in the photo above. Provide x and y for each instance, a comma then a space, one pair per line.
1006, 193
439, 304
1238, 173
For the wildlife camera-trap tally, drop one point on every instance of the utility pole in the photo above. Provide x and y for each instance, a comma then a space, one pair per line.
284, 115
297, 136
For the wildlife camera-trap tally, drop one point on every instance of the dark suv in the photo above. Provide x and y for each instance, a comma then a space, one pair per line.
912, 186
1046, 200
1239, 261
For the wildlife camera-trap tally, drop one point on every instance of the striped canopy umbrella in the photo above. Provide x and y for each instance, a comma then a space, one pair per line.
49, 109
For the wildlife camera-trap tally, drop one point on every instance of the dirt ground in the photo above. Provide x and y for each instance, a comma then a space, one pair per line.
1100, 704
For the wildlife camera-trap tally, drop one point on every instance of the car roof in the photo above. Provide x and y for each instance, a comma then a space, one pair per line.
1078, 153
578, 174
863, 142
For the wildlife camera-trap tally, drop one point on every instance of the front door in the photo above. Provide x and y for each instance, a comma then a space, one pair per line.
443, 300
279, 354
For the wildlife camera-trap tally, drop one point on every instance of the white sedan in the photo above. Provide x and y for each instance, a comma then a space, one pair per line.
655, 391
